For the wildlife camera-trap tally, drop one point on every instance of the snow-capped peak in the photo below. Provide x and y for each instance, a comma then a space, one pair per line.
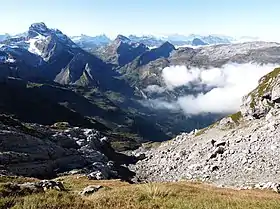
38, 40
39, 26
38, 29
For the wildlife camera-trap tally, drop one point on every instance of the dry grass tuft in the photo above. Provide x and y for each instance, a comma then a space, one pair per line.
156, 190
121, 195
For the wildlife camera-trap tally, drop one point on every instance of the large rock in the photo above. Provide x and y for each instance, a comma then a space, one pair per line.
12, 189
90, 190
44, 185
269, 185
275, 93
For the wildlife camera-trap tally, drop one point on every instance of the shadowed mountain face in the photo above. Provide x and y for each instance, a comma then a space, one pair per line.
47, 104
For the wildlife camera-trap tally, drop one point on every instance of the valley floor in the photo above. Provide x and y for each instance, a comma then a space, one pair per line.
120, 195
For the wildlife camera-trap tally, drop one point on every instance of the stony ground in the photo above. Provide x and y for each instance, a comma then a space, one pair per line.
241, 150
247, 154
46, 151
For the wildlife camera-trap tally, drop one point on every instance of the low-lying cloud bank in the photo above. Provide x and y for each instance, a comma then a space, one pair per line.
227, 86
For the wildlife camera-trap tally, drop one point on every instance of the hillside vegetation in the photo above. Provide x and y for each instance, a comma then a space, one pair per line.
121, 195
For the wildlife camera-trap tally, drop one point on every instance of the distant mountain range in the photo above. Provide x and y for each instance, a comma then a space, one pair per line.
92, 42
4, 37
89, 42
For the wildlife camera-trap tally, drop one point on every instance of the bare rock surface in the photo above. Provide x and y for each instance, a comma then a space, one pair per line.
241, 151
44, 152
12, 189
90, 190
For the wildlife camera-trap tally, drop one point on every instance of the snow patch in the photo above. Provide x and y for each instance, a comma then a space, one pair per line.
5, 59
14, 46
76, 38
32, 44
152, 47
10, 60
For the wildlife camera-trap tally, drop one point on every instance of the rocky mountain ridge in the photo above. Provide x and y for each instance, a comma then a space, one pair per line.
89, 42
92, 42
121, 51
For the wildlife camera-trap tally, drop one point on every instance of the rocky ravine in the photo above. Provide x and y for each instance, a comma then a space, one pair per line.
240, 150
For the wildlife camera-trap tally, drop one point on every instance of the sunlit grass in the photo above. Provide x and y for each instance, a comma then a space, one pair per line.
121, 195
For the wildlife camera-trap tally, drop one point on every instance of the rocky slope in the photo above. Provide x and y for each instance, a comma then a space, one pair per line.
46, 151
239, 150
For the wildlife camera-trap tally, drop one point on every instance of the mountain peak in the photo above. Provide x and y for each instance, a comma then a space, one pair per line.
198, 42
122, 39
167, 45
38, 29
4, 36
39, 26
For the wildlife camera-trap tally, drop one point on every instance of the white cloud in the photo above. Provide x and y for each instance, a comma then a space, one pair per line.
161, 104
176, 76
154, 89
228, 85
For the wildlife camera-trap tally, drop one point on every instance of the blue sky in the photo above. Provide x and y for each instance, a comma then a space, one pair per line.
230, 17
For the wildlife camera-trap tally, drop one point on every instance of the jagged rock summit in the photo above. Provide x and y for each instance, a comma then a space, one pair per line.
241, 150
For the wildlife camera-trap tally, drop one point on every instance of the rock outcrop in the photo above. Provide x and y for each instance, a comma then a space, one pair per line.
44, 152
90, 190
264, 98
241, 150
13, 189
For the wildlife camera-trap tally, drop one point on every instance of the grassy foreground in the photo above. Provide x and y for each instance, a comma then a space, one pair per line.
121, 195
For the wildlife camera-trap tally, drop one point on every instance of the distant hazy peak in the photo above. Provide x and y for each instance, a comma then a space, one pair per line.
122, 38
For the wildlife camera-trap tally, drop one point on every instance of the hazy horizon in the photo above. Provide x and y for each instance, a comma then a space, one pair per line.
92, 17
